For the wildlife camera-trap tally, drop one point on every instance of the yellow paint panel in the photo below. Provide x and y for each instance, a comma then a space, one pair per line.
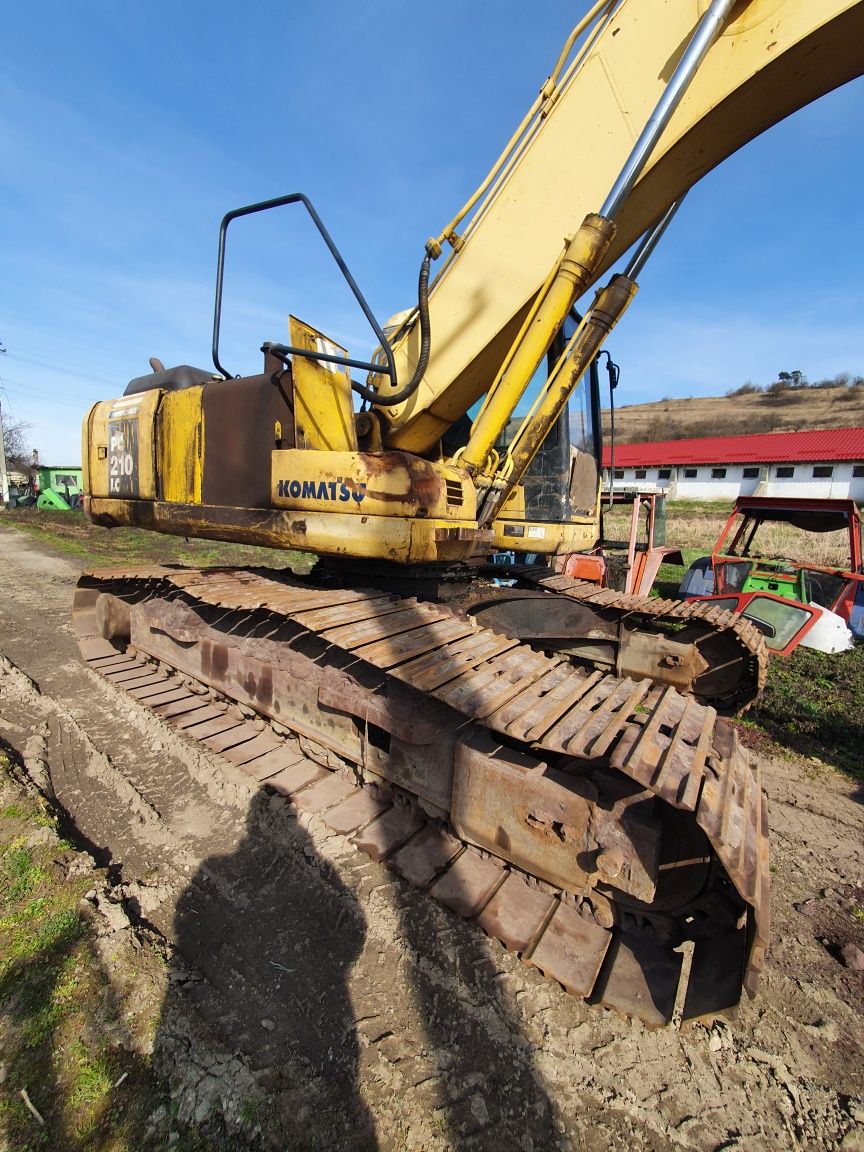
181, 446
88, 466
544, 537
94, 436
371, 484
323, 413
395, 538
122, 447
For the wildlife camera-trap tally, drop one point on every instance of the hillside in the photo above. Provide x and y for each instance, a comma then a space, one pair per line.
790, 411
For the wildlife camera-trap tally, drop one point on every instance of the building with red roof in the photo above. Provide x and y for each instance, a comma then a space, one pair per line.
827, 462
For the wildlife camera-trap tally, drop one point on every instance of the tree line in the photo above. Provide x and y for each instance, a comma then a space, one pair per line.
795, 380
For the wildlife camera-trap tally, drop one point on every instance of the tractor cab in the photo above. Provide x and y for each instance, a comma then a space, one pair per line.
807, 551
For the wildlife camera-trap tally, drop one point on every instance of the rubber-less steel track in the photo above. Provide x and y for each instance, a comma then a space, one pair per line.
352, 653
742, 639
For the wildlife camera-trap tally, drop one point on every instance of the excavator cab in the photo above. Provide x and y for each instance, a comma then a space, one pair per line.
559, 493
562, 480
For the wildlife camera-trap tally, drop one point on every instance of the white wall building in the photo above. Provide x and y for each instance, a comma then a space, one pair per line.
827, 463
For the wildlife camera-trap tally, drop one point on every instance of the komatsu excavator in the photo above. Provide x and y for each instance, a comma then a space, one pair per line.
541, 756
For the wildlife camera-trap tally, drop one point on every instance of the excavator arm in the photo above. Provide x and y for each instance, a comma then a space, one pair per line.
763, 60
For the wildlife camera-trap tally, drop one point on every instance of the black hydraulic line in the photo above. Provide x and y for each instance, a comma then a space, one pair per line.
282, 351
425, 347
614, 372
596, 411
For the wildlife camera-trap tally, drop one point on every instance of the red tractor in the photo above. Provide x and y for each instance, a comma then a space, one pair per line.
815, 599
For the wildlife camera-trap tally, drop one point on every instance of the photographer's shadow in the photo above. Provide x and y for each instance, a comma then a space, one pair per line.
274, 933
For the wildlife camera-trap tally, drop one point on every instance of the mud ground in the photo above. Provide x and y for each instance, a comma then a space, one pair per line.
312, 1000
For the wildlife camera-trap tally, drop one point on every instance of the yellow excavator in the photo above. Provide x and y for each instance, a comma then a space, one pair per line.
541, 755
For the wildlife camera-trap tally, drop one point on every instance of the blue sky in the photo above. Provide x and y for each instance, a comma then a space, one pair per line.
127, 130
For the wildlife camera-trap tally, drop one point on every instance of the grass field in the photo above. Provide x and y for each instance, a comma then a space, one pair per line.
77, 1023
61, 1015
73, 534
812, 705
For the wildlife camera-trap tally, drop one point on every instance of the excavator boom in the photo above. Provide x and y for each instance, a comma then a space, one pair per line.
771, 58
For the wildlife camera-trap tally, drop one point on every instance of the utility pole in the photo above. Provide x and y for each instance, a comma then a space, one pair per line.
4, 480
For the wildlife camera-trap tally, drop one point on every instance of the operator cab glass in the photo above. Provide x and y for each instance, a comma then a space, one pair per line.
562, 479
778, 620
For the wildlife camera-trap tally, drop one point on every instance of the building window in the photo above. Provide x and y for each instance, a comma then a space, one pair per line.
690, 473
619, 473
823, 472
858, 470
640, 473
751, 473
718, 473
785, 472
664, 474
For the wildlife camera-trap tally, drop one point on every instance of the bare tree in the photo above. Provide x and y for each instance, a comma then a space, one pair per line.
16, 447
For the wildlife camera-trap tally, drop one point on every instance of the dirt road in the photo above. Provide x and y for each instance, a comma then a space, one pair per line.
316, 998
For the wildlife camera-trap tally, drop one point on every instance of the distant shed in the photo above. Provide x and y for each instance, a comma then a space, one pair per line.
60, 477
820, 463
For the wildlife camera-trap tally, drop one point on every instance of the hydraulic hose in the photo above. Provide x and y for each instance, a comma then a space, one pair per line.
425, 346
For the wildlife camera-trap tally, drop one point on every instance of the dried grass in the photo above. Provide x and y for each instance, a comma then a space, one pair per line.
694, 529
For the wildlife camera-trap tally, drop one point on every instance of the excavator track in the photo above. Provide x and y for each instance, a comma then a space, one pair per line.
433, 729
729, 643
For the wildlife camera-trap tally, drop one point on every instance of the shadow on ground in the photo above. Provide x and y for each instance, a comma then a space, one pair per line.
266, 940
274, 957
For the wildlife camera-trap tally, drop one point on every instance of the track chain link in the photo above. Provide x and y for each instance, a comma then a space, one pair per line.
645, 612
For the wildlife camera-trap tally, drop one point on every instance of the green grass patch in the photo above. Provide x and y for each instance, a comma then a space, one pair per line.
813, 705
62, 1013
91, 1079
19, 876
72, 534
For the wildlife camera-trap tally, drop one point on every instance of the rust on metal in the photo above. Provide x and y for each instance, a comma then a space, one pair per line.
640, 978
272, 763
425, 855
383, 836
516, 913
552, 770
360, 808
289, 780
324, 794
571, 950
745, 663
469, 883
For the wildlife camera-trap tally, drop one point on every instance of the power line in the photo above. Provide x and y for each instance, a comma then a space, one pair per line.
60, 366
23, 389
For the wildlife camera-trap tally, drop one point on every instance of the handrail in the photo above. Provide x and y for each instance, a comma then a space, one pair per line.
278, 202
